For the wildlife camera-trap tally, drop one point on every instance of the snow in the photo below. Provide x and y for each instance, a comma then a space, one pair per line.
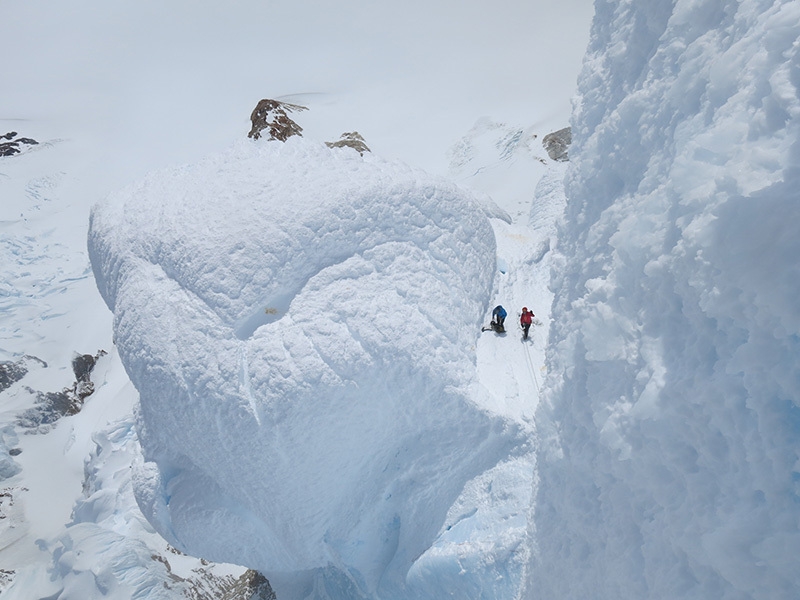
644, 440
669, 462
275, 307
113, 92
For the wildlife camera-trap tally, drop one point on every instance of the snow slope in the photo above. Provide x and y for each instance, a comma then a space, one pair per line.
671, 427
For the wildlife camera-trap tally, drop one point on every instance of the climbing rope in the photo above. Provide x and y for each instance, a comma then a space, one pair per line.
531, 369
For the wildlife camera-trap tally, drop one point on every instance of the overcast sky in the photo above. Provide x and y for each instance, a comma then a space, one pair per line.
412, 77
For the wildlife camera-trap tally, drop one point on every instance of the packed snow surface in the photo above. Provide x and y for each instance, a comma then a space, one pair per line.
300, 323
669, 465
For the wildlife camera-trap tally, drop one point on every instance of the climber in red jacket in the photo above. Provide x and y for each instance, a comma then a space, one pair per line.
525, 320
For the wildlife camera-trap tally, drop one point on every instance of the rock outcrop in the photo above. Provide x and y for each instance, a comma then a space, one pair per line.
11, 372
271, 115
51, 406
557, 144
13, 146
352, 140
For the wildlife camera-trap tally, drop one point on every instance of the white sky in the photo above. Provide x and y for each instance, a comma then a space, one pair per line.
169, 81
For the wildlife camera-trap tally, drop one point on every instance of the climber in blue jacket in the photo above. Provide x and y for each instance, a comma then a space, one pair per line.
499, 315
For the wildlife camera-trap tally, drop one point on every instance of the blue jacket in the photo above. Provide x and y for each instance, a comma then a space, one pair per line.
499, 311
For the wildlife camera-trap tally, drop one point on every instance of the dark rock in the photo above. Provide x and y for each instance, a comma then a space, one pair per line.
12, 147
6, 577
51, 406
15, 451
272, 116
252, 585
82, 365
352, 140
203, 584
84, 389
557, 144
11, 372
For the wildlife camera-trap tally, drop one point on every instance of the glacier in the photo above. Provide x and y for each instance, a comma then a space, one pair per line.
300, 324
669, 456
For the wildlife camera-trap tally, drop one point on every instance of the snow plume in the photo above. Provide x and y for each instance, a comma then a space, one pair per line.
669, 466
300, 323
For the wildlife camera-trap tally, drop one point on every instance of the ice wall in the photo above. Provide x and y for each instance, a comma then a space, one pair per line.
300, 324
671, 430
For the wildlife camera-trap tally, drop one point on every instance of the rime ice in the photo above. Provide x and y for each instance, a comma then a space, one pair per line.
298, 322
671, 430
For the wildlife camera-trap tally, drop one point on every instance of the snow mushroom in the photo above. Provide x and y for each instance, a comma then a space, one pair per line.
298, 321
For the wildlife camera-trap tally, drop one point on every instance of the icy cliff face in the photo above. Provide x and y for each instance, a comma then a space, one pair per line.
300, 324
669, 466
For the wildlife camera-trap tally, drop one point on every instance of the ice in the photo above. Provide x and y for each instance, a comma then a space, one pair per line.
669, 457
662, 460
297, 321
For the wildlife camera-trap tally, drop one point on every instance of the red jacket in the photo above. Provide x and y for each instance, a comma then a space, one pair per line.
526, 318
